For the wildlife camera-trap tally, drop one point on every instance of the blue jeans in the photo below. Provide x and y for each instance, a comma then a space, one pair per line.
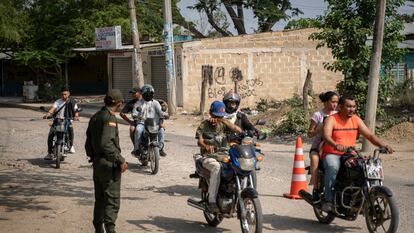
139, 130
331, 164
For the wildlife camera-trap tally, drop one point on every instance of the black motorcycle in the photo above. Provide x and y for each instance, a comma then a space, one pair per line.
150, 145
358, 190
61, 143
236, 195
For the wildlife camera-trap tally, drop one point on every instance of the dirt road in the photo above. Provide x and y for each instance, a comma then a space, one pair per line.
35, 197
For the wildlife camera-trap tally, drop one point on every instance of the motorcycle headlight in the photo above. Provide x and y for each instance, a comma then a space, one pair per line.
153, 129
246, 164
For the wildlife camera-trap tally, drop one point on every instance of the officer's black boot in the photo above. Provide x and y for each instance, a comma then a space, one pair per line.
110, 228
99, 228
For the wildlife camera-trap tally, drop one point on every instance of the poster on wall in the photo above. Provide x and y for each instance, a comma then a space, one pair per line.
108, 38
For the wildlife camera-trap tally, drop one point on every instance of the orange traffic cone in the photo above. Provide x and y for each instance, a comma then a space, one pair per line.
298, 176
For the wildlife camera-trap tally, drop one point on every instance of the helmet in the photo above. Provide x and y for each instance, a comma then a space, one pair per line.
147, 92
231, 97
218, 109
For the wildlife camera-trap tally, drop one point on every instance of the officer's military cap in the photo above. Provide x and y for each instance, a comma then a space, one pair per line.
114, 96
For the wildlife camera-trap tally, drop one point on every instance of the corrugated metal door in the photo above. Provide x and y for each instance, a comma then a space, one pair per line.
158, 77
122, 75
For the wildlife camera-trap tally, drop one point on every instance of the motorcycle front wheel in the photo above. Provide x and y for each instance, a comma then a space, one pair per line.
254, 219
58, 154
154, 154
213, 220
382, 215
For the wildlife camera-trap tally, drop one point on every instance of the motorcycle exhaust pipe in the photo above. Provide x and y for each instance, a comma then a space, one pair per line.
196, 204
306, 196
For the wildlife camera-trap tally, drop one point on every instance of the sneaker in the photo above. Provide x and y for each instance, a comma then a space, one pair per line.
162, 153
327, 207
72, 150
49, 156
212, 207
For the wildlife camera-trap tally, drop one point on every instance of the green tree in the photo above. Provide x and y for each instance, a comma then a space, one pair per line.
346, 29
13, 24
267, 12
303, 23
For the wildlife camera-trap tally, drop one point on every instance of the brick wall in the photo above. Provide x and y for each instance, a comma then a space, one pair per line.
269, 65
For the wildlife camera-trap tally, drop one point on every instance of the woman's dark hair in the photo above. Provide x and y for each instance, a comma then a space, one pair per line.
325, 97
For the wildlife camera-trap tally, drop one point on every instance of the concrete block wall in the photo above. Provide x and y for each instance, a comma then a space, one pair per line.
269, 65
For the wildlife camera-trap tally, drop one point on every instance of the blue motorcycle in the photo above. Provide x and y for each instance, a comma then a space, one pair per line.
237, 196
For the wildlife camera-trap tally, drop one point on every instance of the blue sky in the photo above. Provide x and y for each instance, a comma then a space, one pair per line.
310, 8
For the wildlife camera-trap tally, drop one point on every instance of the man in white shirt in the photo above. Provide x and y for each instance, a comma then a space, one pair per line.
64, 107
145, 108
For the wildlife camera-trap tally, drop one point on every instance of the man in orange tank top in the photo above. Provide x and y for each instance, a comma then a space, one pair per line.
340, 132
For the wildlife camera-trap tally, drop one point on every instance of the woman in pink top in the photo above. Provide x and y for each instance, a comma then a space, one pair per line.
330, 101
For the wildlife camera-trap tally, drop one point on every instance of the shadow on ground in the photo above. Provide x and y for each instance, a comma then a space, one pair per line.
179, 190
21, 191
286, 223
166, 224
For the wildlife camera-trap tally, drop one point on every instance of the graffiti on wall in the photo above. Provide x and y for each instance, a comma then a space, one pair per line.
218, 82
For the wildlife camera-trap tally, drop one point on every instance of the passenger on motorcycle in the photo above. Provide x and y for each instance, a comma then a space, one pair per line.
330, 102
232, 102
136, 96
219, 126
64, 107
340, 132
145, 108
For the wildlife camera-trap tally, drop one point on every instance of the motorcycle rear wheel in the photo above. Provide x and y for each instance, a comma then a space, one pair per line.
384, 210
154, 154
254, 216
213, 220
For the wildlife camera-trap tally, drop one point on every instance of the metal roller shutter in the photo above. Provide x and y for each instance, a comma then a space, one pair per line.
122, 75
158, 77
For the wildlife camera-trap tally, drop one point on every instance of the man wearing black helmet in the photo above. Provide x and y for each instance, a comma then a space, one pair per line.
145, 108
232, 102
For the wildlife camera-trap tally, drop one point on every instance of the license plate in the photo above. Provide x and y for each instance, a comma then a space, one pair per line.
374, 171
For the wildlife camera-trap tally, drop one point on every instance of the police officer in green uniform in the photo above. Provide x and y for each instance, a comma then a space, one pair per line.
102, 146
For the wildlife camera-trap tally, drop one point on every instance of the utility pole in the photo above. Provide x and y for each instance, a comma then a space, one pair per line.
374, 68
139, 75
169, 57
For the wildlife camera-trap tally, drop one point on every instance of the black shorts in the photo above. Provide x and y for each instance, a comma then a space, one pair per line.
313, 149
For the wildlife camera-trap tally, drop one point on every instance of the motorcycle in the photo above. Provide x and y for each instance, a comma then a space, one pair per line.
61, 143
150, 146
358, 190
236, 194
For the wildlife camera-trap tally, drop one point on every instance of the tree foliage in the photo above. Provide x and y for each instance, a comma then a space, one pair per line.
303, 23
267, 12
43, 33
13, 24
346, 29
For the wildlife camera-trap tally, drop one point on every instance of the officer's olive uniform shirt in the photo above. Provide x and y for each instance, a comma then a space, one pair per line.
103, 137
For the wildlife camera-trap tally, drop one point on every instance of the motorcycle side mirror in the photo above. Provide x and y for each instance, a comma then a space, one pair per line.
208, 135
260, 122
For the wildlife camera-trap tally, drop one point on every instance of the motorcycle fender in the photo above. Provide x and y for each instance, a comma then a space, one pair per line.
155, 144
384, 189
249, 192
